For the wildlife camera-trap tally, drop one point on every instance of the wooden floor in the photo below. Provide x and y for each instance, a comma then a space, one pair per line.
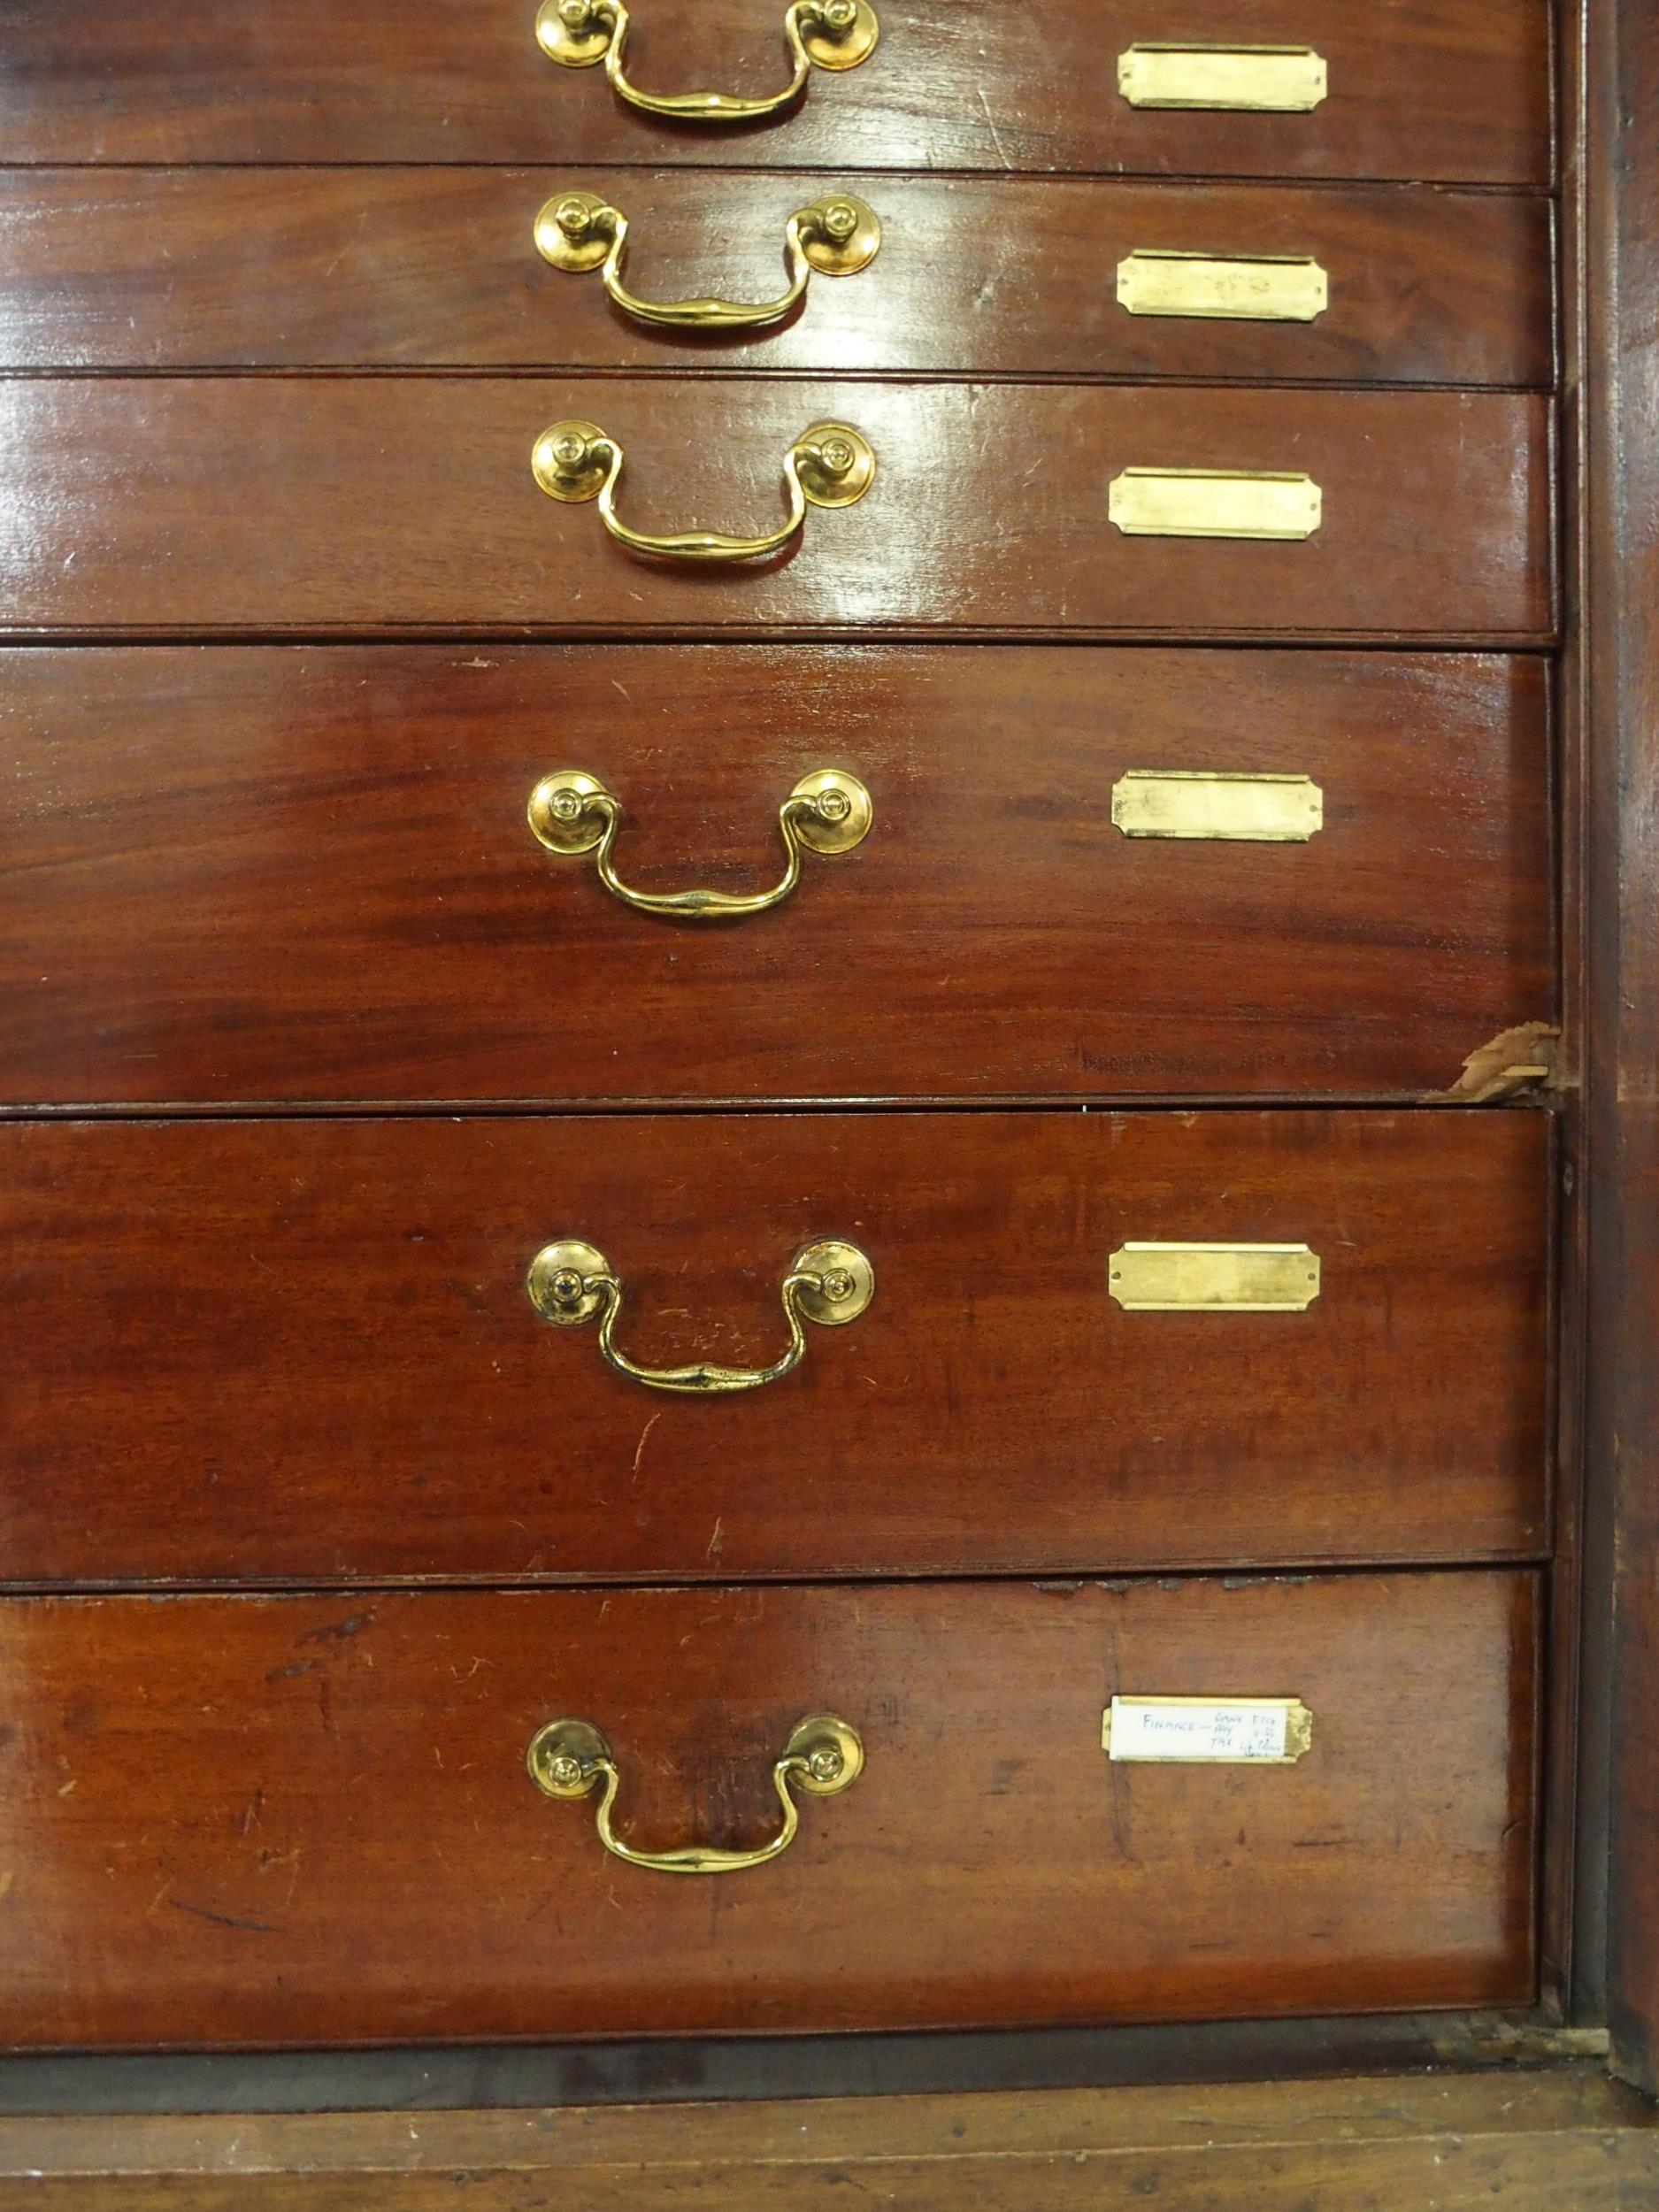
1566, 2140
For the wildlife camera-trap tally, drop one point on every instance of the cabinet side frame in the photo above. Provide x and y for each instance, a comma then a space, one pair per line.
1619, 642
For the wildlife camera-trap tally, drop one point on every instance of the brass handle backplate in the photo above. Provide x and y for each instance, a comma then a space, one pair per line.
829, 465
833, 35
827, 812
837, 236
830, 1282
823, 1756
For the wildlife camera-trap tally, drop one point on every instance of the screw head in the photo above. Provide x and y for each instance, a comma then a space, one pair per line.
834, 806
565, 1288
569, 451
564, 1772
839, 221
837, 1285
838, 15
826, 1764
565, 806
574, 217
577, 16
836, 457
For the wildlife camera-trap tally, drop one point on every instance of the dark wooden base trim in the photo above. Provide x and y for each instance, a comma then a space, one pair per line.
748, 2069
1564, 2137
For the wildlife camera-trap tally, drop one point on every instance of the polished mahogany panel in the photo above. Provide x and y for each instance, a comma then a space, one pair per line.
334, 504
435, 266
304, 1820
284, 873
1443, 90
304, 1349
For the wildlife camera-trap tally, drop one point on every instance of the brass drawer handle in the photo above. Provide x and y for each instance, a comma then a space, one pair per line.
826, 34
828, 465
823, 1756
827, 812
830, 1282
837, 236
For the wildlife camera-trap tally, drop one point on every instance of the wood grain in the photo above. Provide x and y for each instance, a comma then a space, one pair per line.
341, 504
296, 268
269, 1821
1442, 2143
284, 874
304, 1349
1443, 90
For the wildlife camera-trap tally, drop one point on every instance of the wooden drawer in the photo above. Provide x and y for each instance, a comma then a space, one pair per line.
340, 505
436, 266
286, 1821
1444, 91
305, 1349
281, 875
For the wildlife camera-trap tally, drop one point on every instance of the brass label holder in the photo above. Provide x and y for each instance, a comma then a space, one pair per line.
1207, 1730
1266, 288
1217, 804
1257, 80
1149, 1277
1265, 503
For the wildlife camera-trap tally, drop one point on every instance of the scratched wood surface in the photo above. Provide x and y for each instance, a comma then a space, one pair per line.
333, 504
1445, 90
406, 267
287, 1349
249, 1821
295, 874
1443, 2143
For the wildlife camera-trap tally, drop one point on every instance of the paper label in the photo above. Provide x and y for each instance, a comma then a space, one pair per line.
1236, 1730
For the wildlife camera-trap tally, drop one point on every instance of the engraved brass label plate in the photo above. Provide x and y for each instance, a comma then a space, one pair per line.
1214, 1277
1266, 80
1215, 504
1210, 804
1234, 287
1209, 1731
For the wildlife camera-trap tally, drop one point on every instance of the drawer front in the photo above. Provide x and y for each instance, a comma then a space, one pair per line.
439, 267
339, 504
279, 875
1444, 91
286, 1821
306, 1348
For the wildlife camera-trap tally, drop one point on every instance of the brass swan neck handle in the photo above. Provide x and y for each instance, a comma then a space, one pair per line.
823, 1756
833, 34
831, 465
835, 236
828, 812
830, 1283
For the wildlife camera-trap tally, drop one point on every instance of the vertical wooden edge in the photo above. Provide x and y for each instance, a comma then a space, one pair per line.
1564, 1986
1621, 647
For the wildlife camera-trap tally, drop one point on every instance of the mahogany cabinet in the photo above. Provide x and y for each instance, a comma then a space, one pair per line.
828, 1023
